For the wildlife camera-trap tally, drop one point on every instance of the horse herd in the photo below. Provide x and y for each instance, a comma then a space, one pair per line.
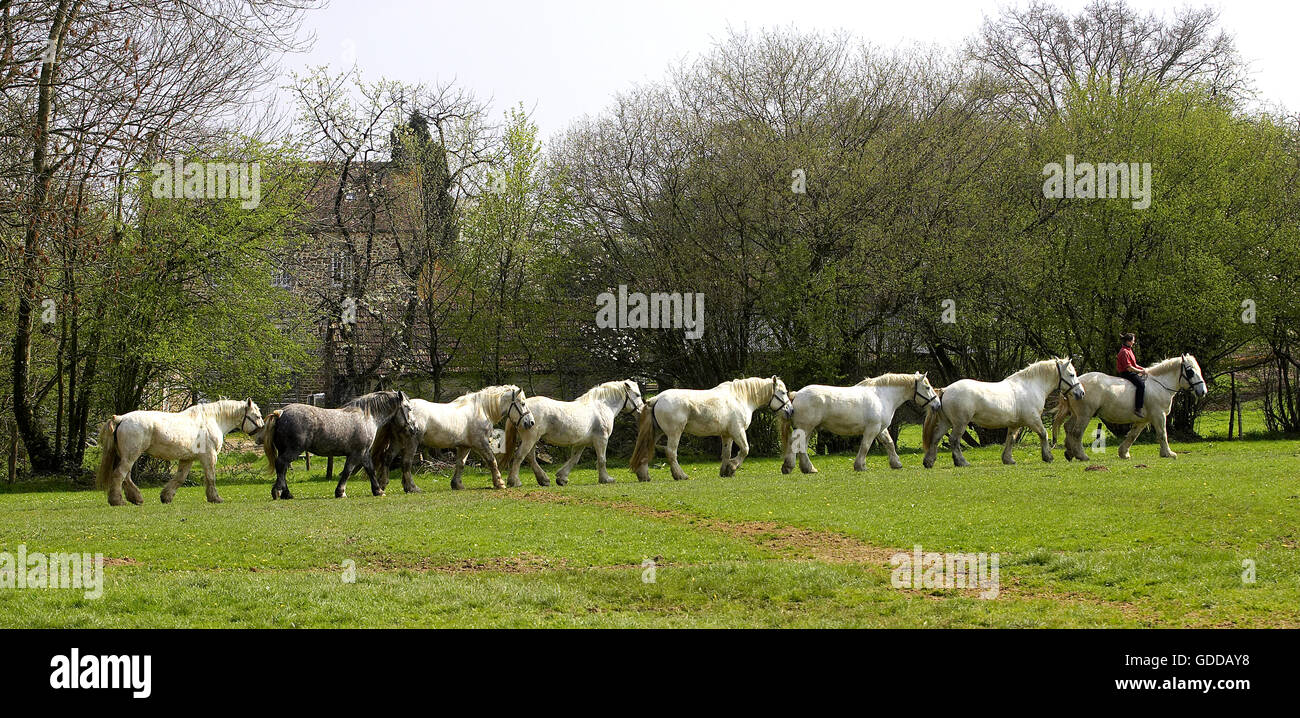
386, 429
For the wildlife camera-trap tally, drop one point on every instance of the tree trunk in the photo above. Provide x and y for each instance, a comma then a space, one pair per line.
42, 456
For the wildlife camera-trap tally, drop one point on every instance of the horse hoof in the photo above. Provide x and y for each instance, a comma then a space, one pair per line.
379, 493
215, 500
286, 495
859, 467
136, 500
117, 502
895, 466
786, 469
606, 480
166, 499
340, 494
414, 490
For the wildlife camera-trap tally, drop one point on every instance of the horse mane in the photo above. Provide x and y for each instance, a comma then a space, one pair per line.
1164, 364
890, 379
751, 388
375, 402
600, 392
485, 394
1039, 367
220, 407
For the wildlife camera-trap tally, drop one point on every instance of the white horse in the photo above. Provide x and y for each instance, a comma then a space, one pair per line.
724, 411
1014, 402
865, 409
585, 421
1113, 398
464, 424
197, 433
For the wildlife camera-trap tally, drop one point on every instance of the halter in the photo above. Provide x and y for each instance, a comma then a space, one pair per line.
1185, 372
248, 418
916, 392
784, 402
1061, 379
514, 406
627, 399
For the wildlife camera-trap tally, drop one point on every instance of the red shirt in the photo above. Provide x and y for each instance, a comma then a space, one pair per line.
1126, 360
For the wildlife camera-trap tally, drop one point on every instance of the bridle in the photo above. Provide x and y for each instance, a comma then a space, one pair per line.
247, 418
916, 393
1060, 373
515, 405
785, 401
1185, 372
628, 403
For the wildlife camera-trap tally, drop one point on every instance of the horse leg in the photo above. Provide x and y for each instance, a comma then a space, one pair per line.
742, 445
1162, 433
1074, 428
349, 465
525, 449
182, 473
888, 442
562, 476
484, 449
538, 472
1036, 425
932, 451
599, 445
787, 458
864, 446
1008, 445
376, 486
132, 491
805, 463
462, 452
958, 431
726, 468
209, 464
408, 460
1129, 438
120, 473
670, 451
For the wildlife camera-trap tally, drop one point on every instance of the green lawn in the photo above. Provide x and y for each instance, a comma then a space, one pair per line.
1147, 542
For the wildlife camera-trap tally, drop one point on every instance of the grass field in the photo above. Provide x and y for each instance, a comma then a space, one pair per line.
1146, 542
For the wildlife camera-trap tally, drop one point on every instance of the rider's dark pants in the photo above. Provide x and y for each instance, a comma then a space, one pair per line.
1140, 384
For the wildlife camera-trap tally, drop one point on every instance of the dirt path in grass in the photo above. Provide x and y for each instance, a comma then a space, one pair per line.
830, 547
789, 541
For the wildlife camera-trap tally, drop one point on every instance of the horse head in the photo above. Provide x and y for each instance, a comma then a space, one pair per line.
1067, 379
780, 398
632, 400
519, 408
252, 423
923, 394
1190, 373
403, 417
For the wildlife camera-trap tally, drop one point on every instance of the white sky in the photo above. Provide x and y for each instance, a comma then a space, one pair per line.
567, 58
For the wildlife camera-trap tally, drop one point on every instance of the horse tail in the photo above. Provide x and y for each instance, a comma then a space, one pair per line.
931, 423
512, 441
108, 454
379, 449
268, 438
645, 437
785, 433
1063, 410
